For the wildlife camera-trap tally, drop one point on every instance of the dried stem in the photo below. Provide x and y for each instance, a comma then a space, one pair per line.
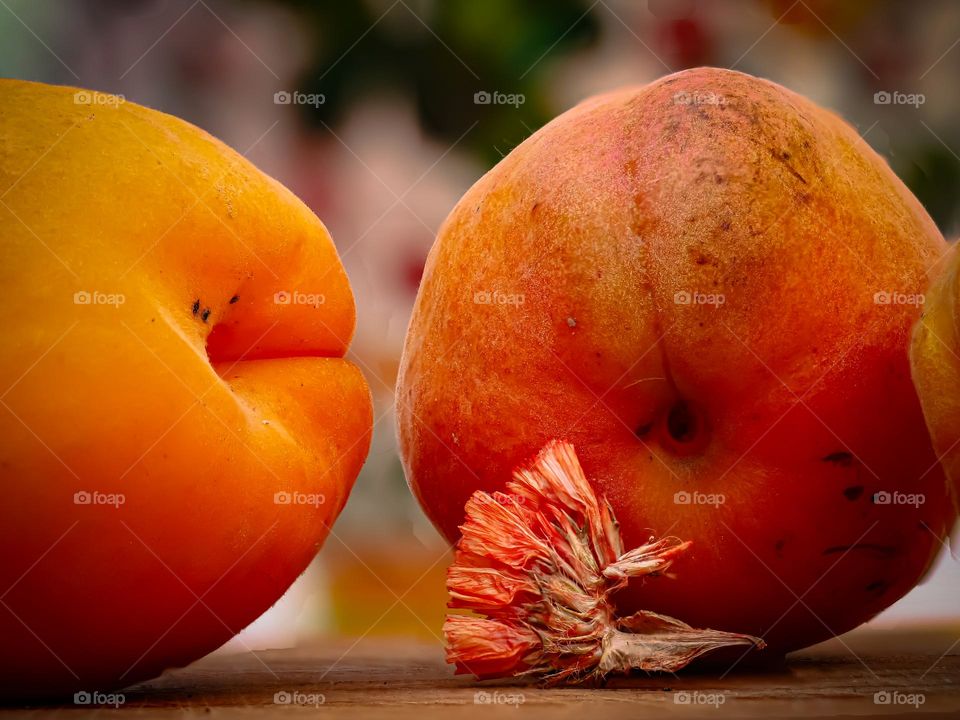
540, 563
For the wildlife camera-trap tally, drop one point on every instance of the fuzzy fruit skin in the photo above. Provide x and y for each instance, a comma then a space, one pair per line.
120, 199
935, 364
799, 382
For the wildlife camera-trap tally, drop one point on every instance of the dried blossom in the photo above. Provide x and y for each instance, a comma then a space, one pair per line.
541, 562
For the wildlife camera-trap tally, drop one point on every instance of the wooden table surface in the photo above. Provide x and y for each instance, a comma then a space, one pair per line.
373, 678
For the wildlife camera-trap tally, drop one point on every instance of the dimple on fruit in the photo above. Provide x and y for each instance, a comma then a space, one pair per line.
706, 285
178, 428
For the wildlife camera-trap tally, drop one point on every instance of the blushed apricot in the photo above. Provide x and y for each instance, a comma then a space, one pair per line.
707, 285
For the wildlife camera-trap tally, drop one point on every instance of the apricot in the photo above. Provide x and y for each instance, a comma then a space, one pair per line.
707, 286
935, 363
178, 428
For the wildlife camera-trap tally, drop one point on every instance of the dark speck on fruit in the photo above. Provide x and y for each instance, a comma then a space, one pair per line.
205, 314
853, 492
234, 299
876, 548
196, 306
841, 457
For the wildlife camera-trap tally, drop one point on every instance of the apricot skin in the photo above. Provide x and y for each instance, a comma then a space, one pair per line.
123, 400
935, 364
792, 399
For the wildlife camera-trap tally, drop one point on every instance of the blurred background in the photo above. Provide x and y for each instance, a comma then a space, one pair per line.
379, 114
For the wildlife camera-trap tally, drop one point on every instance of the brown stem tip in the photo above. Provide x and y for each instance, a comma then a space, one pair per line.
540, 563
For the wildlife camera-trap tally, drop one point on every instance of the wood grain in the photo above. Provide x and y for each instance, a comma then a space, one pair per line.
373, 678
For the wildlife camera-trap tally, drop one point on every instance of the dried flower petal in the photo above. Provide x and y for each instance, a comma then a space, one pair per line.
541, 562
499, 530
486, 588
487, 648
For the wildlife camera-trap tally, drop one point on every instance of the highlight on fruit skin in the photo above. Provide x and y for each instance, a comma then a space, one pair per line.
540, 562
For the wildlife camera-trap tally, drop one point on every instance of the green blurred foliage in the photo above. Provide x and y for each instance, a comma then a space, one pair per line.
469, 46
439, 53
934, 177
